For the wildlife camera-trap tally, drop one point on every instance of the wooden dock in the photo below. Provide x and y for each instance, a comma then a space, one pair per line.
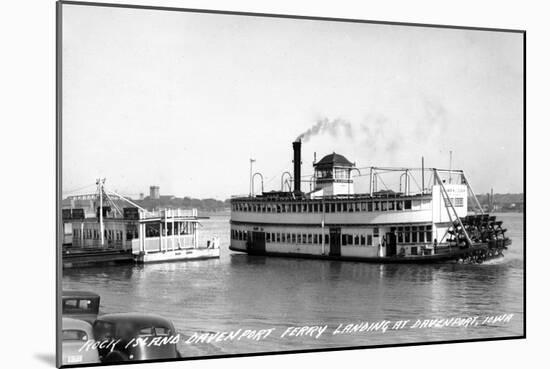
95, 257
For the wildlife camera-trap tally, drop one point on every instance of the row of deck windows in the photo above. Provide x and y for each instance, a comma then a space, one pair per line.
308, 238
151, 230
350, 207
299, 238
94, 234
414, 234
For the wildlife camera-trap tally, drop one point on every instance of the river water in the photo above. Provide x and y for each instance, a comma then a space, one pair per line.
244, 292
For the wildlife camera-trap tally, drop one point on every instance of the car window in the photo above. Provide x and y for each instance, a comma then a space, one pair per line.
143, 332
162, 331
80, 306
70, 305
85, 304
74, 335
152, 331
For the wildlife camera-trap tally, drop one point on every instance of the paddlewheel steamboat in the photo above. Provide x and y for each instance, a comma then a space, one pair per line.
331, 221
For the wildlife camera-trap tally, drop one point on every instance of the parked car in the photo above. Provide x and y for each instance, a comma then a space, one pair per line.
80, 305
75, 335
128, 328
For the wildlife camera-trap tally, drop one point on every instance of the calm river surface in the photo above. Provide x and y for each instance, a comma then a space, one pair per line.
245, 292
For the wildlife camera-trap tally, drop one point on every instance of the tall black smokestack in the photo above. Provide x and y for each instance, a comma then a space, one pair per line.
297, 146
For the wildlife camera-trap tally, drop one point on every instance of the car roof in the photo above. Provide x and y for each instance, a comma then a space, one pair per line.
79, 294
136, 318
70, 323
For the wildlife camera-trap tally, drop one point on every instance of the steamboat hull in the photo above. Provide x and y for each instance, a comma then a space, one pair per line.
477, 253
177, 255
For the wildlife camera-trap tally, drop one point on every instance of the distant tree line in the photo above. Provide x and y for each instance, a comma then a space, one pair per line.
167, 202
499, 202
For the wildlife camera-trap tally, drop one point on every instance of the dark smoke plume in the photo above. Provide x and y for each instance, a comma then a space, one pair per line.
332, 127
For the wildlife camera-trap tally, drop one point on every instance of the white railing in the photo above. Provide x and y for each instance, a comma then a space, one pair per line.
171, 213
168, 243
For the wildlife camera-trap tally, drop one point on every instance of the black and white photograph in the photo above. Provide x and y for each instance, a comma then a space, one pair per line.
247, 184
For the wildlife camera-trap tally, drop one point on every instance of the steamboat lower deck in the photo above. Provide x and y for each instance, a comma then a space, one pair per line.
478, 253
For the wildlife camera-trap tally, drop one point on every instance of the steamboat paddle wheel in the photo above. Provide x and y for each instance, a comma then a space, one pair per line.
480, 237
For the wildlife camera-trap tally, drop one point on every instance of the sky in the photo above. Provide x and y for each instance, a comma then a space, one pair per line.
184, 100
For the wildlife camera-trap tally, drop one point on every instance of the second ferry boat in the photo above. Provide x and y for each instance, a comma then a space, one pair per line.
115, 234
331, 221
